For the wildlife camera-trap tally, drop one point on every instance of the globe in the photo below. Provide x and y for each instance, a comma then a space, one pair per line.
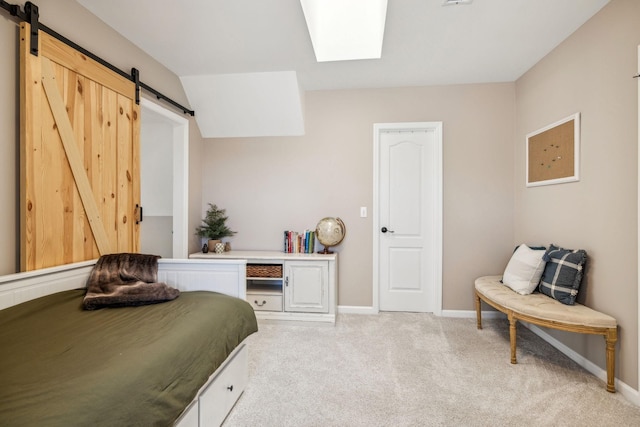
330, 232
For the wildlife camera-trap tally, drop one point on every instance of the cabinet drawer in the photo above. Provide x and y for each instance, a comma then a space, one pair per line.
218, 398
265, 302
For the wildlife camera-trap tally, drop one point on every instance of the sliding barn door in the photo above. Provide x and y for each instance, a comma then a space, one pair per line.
79, 157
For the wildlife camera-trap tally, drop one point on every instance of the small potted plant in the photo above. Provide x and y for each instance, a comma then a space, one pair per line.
214, 228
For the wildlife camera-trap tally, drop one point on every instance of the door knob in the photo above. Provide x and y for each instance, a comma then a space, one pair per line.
385, 229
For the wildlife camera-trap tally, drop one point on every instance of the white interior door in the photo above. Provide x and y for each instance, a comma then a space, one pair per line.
408, 216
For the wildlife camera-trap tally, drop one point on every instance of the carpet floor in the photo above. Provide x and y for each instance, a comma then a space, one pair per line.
411, 369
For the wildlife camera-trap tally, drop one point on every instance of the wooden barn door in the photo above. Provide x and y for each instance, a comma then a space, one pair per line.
79, 157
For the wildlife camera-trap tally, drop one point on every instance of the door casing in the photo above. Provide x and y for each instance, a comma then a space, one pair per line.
180, 136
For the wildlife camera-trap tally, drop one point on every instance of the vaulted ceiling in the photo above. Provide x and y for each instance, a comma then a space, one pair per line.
425, 43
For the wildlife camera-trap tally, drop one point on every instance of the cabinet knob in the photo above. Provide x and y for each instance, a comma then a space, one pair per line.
230, 388
258, 304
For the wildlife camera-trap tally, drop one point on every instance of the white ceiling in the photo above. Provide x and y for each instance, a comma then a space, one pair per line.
425, 43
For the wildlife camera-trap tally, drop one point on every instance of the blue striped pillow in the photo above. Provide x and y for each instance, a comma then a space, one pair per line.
562, 274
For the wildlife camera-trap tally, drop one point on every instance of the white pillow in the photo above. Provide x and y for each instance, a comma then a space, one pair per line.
524, 270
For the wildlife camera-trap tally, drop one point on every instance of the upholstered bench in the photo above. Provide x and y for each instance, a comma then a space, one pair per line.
544, 311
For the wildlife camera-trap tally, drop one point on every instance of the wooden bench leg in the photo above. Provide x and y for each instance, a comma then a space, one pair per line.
512, 335
611, 338
478, 312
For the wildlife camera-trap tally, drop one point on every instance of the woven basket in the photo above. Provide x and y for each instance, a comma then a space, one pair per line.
264, 270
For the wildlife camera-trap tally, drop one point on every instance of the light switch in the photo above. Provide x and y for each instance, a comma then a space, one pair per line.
363, 212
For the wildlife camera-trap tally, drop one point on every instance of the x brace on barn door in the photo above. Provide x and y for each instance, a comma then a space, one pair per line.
31, 15
74, 157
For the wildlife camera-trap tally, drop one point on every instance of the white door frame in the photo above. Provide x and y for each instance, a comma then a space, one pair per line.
436, 266
638, 201
180, 126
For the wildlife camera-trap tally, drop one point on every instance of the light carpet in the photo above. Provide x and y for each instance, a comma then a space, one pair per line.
411, 369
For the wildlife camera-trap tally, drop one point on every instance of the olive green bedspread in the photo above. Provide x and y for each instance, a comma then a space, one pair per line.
62, 365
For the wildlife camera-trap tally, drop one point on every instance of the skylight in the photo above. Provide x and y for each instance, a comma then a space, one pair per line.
343, 30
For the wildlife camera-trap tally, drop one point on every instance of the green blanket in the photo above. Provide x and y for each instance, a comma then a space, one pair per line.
62, 365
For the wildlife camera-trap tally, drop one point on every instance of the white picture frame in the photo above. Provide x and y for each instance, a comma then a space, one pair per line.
553, 153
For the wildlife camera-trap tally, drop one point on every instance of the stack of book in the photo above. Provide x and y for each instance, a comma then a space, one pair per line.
299, 242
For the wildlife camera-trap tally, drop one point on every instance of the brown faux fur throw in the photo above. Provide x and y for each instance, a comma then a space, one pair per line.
119, 280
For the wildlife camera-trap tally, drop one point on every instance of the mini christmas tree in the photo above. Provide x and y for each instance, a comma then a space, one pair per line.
214, 224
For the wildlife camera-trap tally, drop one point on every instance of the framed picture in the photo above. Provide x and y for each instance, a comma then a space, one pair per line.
553, 153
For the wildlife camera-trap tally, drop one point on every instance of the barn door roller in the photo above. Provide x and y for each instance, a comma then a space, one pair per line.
31, 10
30, 15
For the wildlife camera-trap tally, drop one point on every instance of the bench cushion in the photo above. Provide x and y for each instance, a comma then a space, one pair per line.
541, 306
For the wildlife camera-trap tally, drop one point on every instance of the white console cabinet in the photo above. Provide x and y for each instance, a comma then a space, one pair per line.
283, 286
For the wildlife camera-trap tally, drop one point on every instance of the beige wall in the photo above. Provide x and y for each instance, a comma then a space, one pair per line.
591, 73
74, 22
269, 185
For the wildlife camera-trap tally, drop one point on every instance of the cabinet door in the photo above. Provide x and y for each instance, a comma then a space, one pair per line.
307, 286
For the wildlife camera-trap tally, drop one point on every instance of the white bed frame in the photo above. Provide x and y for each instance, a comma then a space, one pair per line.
218, 395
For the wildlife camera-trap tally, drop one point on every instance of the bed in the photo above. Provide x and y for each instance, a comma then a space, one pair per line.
181, 362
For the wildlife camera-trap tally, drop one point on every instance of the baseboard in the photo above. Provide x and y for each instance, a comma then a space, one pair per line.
629, 393
466, 314
356, 309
